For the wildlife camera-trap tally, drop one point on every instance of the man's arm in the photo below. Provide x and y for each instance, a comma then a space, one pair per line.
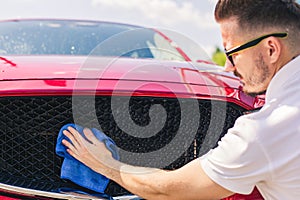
187, 182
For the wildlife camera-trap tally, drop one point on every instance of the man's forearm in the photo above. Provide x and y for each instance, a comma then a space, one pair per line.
145, 182
188, 182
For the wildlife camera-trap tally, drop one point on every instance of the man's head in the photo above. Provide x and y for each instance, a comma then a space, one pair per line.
260, 37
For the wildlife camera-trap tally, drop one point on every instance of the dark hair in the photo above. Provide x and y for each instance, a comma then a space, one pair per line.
260, 15
254, 14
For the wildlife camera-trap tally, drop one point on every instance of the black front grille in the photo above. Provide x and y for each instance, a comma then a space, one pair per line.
29, 128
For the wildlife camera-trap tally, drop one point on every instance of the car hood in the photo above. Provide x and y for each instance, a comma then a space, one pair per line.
76, 67
61, 75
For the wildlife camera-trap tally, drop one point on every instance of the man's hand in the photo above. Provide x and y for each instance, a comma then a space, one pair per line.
90, 151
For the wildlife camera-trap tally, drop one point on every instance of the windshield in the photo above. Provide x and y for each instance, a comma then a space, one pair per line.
71, 37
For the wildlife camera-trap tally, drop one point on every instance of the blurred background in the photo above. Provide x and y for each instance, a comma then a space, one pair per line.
191, 18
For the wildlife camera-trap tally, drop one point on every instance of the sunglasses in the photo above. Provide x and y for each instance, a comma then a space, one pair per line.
251, 44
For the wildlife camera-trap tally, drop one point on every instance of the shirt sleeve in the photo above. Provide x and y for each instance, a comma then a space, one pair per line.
238, 163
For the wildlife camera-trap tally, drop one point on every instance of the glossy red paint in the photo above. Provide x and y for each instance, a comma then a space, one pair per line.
66, 75
8, 198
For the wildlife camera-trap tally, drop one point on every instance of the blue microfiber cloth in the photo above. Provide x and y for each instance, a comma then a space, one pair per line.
76, 171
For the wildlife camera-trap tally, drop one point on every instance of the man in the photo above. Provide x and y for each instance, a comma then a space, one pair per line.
262, 44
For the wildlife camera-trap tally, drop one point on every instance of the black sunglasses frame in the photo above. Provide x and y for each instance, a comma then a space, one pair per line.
251, 44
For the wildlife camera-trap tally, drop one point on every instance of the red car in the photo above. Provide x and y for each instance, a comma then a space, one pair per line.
160, 105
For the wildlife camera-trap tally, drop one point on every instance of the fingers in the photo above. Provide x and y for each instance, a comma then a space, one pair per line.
77, 145
69, 145
73, 135
90, 136
71, 149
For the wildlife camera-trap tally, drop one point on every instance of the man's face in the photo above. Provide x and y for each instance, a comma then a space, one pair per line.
249, 64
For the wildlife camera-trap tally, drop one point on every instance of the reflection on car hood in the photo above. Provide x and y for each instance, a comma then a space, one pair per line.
76, 67
64, 75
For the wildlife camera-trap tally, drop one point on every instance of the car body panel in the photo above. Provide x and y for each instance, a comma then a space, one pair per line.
47, 75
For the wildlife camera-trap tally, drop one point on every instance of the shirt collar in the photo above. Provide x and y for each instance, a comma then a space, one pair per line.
281, 77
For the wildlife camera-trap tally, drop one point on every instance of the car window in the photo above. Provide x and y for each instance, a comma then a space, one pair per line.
67, 37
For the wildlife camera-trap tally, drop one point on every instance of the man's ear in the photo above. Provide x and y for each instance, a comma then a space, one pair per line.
274, 48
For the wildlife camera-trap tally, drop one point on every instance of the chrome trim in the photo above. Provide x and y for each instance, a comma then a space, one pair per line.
14, 190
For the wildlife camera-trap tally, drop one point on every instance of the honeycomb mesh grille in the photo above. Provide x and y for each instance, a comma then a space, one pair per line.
29, 127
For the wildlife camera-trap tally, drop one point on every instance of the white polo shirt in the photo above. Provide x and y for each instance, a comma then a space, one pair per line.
263, 148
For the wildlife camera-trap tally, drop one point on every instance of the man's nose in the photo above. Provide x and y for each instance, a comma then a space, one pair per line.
229, 67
